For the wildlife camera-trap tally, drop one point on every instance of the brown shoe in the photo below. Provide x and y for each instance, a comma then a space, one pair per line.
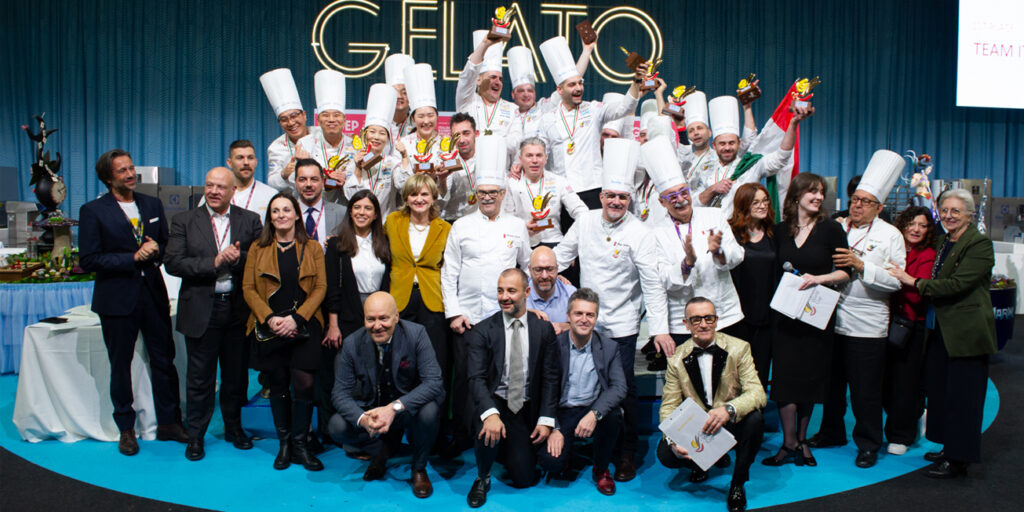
421, 487
605, 484
172, 432
127, 445
625, 470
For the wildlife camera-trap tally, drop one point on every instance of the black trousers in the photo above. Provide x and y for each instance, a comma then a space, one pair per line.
120, 334
438, 332
420, 427
903, 391
323, 385
859, 362
223, 341
605, 434
627, 355
749, 432
518, 452
956, 389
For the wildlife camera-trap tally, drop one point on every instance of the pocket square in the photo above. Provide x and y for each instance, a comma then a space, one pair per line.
154, 219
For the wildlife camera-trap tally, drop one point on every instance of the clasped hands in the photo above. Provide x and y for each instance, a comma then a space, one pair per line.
229, 255
283, 326
147, 250
377, 421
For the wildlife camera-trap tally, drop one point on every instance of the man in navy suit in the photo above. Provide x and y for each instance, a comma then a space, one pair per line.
207, 249
593, 385
121, 237
387, 381
513, 382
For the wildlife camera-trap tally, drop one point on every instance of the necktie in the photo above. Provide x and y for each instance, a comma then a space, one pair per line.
516, 372
310, 223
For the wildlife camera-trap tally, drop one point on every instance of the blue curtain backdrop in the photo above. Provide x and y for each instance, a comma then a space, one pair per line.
176, 82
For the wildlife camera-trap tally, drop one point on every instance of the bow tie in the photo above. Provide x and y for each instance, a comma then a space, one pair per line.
711, 350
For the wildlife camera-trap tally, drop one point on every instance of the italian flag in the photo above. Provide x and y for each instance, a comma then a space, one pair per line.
769, 141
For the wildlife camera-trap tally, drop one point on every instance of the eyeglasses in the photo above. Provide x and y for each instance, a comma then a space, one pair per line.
544, 270
865, 201
677, 196
708, 319
613, 195
488, 193
947, 211
290, 117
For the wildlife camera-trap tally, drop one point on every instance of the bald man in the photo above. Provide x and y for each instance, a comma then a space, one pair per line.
207, 249
548, 293
387, 382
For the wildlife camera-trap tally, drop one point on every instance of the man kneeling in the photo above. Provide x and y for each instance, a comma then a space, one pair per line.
387, 381
716, 371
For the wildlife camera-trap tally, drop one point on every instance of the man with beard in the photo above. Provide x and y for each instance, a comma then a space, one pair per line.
618, 260
250, 193
548, 294
524, 92
513, 377
460, 200
319, 217
394, 75
478, 92
539, 197
572, 131
284, 151
330, 146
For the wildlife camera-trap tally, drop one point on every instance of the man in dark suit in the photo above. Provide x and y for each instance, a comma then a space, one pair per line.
592, 387
387, 382
121, 237
513, 382
207, 249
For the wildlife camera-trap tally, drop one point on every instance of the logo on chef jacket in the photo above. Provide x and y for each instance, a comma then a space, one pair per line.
510, 240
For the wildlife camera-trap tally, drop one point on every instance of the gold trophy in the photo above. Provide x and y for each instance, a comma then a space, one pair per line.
634, 60
541, 211
674, 105
449, 150
423, 156
802, 94
335, 164
746, 91
501, 24
370, 159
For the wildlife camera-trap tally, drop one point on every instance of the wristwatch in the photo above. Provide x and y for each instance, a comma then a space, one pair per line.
597, 414
397, 406
732, 412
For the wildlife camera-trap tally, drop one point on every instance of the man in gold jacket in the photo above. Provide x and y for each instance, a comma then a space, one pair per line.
717, 372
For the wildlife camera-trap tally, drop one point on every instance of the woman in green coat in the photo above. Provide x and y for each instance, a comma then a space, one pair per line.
963, 336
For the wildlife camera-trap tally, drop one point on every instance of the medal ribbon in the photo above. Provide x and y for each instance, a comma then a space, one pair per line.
561, 111
223, 238
540, 190
490, 117
469, 175
375, 179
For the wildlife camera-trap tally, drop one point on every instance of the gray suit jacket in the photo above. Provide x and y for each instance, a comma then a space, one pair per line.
413, 366
610, 377
191, 249
334, 215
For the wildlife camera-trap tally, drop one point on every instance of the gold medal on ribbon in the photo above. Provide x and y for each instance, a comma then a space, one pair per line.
644, 214
570, 149
333, 162
488, 132
472, 199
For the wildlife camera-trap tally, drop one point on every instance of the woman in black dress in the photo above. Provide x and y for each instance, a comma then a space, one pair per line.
757, 276
284, 285
801, 353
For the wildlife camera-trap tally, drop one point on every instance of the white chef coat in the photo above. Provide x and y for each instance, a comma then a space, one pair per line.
401, 174
455, 201
279, 153
617, 261
706, 170
499, 119
519, 202
529, 121
863, 309
398, 131
768, 165
645, 197
382, 178
477, 251
708, 278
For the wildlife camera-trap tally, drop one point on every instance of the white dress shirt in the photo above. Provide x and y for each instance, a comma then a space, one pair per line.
369, 269
279, 153
709, 278
863, 309
477, 251
520, 197
498, 119
705, 361
222, 237
502, 389
617, 261
380, 177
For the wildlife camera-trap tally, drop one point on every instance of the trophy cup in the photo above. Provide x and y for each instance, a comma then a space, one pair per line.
449, 150
541, 211
370, 159
501, 24
586, 32
634, 60
335, 164
674, 105
802, 95
746, 91
423, 156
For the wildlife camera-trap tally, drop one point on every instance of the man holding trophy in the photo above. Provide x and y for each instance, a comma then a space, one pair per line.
539, 197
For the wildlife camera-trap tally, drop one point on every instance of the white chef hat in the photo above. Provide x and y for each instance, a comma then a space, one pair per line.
419, 85
645, 121
615, 124
696, 109
725, 115
648, 109
492, 58
520, 66
380, 105
329, 86
491, 160
559, 59
620, 160
659, 158
661, 126
881, 174
281, 91
394, 68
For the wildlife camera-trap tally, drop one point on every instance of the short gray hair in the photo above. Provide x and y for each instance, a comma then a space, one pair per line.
532, 141
584, 294
961, 194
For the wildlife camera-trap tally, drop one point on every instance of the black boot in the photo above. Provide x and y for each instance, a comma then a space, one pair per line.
281, 409
302, 413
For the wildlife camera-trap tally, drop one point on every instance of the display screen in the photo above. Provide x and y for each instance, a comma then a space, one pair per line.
990, 54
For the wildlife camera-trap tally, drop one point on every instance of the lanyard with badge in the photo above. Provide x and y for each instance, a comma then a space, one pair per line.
853, 247
252, 188
219, 240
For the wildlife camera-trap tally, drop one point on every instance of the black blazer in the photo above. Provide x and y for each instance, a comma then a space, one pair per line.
191, 249
107, 246
413, 366
343, 299
487, 363
610, 377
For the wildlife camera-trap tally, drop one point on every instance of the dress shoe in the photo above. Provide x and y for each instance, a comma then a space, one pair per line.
605, 483
866, 458
723, 462
421, 487
819, 441
946, 469
478, 493
698, 475
172, 432
194, 451
785, 456
938, 456
128, 445
238, 438
737, 500
625, 470
378, 466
